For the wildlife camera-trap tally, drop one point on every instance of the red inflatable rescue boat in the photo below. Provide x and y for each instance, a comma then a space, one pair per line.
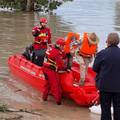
83, 95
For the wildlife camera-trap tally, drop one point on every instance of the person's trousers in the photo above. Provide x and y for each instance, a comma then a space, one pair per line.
84, 63
106, 100
52, 85
69, 60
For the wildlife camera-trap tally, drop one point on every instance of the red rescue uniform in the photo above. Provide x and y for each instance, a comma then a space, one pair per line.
53, 64
43, 38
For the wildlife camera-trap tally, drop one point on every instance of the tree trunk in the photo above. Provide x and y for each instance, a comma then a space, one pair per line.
30, 5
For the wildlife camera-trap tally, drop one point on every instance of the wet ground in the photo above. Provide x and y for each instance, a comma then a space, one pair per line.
25, 103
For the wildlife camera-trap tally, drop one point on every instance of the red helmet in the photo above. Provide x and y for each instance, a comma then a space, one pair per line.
43, 20
60, 42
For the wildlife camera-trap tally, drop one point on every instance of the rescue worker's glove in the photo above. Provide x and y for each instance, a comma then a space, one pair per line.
36, 31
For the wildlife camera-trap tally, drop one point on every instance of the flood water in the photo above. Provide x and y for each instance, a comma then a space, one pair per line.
100, 16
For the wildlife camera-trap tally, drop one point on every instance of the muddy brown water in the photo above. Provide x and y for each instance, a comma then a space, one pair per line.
101, 16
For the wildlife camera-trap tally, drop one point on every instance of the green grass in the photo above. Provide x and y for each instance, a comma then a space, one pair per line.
3, 107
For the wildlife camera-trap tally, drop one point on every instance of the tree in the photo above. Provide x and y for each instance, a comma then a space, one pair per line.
30, 5
33, 5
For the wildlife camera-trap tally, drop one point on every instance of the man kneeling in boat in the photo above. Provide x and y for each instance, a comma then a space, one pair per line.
52, 65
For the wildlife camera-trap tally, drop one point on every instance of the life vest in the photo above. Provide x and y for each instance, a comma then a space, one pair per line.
87, 49
54, 59
49, 59
43, 38
70, 38
47, 32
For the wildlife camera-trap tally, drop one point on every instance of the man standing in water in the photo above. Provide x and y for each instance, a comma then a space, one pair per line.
52, 65
42, 37
107, 67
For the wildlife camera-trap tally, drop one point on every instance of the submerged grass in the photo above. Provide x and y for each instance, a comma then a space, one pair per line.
3, 107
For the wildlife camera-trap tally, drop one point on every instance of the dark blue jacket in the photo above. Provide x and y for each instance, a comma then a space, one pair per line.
107, 67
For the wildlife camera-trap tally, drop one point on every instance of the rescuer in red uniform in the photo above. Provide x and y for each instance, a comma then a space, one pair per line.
52, 65
42, 37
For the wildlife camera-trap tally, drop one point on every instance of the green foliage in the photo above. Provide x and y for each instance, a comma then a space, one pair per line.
41, 5
42, 2
53, 5
3, 107
18, 4
67, 0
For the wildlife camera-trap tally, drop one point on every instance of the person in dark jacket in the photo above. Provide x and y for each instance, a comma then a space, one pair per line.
107, 67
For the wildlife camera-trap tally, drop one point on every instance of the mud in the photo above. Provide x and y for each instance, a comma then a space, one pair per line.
24, 103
